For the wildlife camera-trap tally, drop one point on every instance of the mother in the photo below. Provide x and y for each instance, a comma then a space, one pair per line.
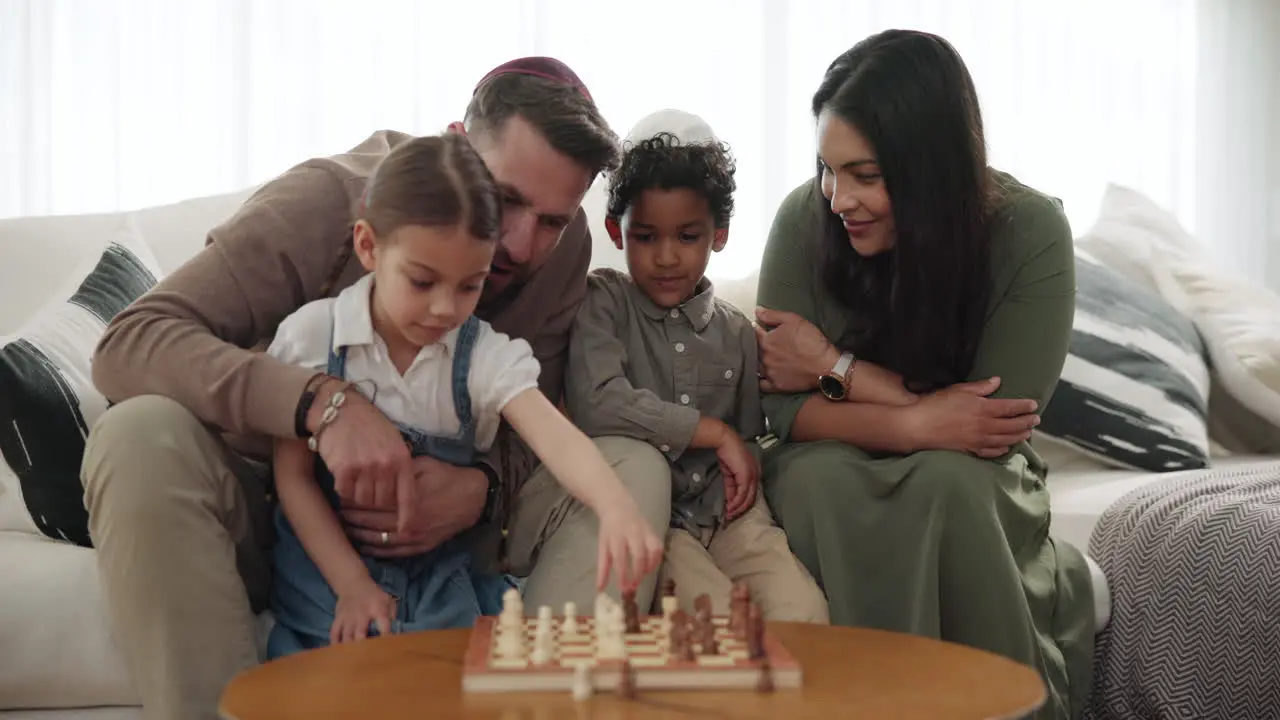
919, 306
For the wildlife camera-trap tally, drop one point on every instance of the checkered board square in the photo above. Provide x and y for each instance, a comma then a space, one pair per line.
485, 670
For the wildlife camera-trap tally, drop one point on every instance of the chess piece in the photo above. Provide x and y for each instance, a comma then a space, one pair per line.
541, 654
512, 610
739, 601
582, 688
680, 646
765, 682
511, 643
708, 644
603, 602
631, 613
544, 620
702, 602
755, 632
569, 625
626, 681
669, 588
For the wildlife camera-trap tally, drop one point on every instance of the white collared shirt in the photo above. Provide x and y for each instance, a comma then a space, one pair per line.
501, 366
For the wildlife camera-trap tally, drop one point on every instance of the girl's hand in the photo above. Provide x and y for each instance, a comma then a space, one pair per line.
793, 352
627, 544
741, 474
365, 603
962, 418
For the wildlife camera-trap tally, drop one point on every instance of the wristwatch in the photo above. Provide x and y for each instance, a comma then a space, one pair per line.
835, 384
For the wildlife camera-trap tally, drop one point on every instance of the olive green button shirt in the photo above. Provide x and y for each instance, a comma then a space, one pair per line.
639, 370
1029, 316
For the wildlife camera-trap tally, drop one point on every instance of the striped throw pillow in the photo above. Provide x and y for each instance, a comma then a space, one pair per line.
48, 401
1135, 388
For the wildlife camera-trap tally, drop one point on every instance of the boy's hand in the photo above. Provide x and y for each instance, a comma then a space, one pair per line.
627, 544
741, 474
363, 604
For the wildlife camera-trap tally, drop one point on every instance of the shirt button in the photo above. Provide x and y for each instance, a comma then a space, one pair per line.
728, 374
684, 399
679, 347
675, 313
665, 448
697, 478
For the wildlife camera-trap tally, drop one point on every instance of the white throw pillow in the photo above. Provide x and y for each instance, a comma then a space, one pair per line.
1239, 321
47, 398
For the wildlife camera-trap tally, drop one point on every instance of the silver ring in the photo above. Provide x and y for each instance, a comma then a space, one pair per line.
386, 538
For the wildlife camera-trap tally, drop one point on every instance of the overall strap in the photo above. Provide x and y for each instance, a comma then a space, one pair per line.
337, 366
467, 334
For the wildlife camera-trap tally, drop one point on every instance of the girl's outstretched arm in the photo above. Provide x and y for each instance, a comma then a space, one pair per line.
313, 520
568, 453
627, 543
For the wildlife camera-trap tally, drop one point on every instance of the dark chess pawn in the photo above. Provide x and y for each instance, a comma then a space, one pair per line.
755, 632
739, 600
669, 588
708, 641
630, 613
702, 602
765, 683
682, 643
626, 681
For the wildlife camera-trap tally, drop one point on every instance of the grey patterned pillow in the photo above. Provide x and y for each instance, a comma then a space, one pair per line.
1135, 388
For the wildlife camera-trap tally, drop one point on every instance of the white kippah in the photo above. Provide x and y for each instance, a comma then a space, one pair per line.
689, 128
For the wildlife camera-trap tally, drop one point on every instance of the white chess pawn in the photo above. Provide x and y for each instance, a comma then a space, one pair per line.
512, 609
582, 683
569, 625
541, 647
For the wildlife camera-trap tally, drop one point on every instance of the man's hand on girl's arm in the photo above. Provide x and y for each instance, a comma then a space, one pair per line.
447, 499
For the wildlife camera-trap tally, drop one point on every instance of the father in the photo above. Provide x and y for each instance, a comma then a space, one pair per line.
175, 479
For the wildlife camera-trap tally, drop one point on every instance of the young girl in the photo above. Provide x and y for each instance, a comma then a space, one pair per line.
405, 336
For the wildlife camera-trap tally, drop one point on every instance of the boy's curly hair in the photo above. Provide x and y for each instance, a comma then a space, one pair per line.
663, 162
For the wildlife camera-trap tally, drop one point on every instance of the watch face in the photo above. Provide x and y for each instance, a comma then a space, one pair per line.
831, 387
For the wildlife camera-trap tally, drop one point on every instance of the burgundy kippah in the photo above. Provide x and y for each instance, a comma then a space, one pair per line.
543, 67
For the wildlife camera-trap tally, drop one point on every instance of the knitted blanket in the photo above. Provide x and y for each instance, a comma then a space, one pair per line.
1194, 569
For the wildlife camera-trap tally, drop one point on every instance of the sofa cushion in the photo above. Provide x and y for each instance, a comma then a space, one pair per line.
47, 398
57, 649
1239, 320
1135, 387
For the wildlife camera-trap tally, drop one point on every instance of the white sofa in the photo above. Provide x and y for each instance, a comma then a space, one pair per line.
57, 658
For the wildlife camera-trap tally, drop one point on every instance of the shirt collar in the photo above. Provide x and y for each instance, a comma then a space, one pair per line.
353, 318
698, 309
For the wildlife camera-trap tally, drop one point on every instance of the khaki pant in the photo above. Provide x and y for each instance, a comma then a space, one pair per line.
753, 550
182, 533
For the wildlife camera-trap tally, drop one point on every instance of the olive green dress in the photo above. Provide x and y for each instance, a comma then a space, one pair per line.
938, 543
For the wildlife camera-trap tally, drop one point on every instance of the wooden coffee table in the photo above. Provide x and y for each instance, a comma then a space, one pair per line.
848, 673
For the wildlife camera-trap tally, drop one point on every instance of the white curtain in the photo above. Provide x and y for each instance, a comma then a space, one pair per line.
113, 104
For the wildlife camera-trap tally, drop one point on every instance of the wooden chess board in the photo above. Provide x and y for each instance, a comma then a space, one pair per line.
484, 671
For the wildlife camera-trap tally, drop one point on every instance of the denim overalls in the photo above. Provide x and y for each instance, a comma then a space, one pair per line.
436, 590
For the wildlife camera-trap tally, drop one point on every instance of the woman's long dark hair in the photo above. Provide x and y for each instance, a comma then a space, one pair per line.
919, 308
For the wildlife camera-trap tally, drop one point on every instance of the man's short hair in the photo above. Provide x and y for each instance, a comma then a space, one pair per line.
561, 112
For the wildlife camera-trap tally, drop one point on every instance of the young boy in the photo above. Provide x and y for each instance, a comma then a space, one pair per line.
655, 356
